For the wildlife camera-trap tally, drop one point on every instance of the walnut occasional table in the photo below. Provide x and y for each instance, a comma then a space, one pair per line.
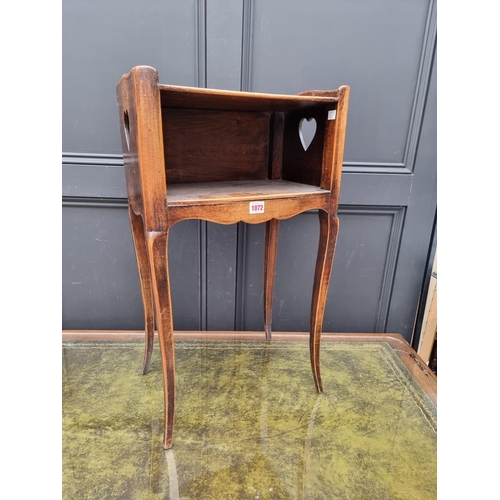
226, 157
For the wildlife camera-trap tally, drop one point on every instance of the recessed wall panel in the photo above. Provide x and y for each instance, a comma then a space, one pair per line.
373, 46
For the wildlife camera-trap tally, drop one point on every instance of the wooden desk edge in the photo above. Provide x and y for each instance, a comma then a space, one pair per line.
415, 364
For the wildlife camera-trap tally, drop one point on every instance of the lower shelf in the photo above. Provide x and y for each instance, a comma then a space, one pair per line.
227, 191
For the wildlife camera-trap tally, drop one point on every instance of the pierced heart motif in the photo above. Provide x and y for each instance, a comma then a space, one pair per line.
126, 127
307, 131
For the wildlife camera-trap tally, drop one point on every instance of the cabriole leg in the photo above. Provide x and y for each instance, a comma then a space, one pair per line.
158, 255
270, 250
141, 254
328, 230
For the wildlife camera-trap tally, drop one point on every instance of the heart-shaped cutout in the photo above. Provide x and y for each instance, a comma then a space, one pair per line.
307, 131
126, 128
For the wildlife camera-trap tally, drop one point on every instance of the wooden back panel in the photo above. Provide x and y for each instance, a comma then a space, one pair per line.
205, 145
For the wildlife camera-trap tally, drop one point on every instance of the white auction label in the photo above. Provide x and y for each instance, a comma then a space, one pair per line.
256, 207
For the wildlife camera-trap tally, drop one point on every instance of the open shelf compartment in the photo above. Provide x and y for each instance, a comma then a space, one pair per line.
270, 146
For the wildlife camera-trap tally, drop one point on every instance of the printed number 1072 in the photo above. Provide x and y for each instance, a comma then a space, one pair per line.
256, 207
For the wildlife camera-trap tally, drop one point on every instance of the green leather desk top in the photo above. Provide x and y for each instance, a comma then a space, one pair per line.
249, 422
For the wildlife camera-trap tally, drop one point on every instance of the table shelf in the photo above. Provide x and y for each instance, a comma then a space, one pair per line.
229, 191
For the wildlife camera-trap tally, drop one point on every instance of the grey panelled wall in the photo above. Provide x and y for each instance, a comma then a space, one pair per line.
384, 49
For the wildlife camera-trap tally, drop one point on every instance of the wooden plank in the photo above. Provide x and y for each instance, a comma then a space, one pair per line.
429, 323
276, 146
173, 96
227, 191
